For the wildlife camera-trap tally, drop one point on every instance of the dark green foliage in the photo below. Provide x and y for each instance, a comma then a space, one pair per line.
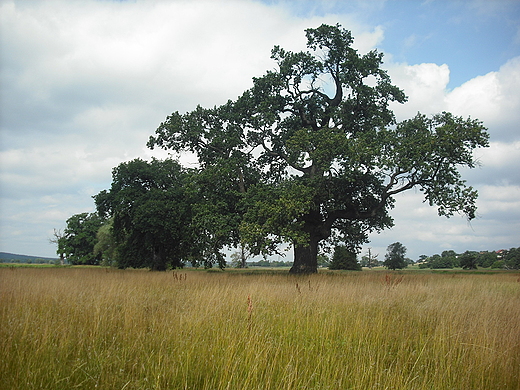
439, 262
312, 152
468, 260
511, 258
79, 239
448, 259
486, 259
151, 206
472, 260
395, 256
499, 264
344, 258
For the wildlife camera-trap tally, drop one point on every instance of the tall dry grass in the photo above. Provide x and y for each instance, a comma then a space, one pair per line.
109, 329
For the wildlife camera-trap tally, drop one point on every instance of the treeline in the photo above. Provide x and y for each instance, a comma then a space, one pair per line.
395, 259
14, 258
150, 218
267, 263
504, 258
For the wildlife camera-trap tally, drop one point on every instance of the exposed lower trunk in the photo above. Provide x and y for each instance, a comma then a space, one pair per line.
305, 258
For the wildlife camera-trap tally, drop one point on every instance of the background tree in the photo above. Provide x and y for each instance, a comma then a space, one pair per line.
449, 259
323, 260
370, 260
226, 171
395, 256
511, 258
468, 260
59, 239
440, 262
449, 253
240, 257
315, 154
486, 259
344, 258
79, 238
106, 245
151, 206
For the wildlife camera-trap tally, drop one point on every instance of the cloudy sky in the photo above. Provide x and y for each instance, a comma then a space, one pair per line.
83, 84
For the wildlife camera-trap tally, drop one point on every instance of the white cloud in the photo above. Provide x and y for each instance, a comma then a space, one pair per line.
498, 165
425, 86
493, 98
368, 40
481, 94
500, 200
500, 155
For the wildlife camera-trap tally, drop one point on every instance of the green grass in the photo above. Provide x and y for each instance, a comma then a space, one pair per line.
70, 328
27, 265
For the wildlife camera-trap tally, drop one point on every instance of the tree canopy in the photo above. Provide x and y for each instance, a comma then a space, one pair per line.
79, 238
312, 150
151, 209
468, 260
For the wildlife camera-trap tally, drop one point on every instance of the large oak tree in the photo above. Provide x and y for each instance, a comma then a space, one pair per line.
312, 151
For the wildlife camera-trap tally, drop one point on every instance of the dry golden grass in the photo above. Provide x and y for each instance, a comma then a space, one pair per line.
68, 328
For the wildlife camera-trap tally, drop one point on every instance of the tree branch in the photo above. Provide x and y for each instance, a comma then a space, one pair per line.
284, 157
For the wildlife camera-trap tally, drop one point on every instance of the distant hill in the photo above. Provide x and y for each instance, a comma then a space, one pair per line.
11, 257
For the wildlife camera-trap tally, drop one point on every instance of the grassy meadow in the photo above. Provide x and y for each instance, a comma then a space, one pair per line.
94, 328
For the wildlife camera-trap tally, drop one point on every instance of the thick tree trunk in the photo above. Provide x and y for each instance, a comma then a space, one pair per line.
305, 258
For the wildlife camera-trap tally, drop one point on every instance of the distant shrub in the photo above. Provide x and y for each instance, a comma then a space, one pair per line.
441, 262
344, 258
498, 264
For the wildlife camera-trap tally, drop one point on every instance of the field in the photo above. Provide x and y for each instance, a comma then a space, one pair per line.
84, 328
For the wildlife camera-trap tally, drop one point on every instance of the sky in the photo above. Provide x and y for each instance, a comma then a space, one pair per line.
83, 85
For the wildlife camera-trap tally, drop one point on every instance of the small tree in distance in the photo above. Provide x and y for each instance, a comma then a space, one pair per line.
394, 258
468, 260
370, 260
344, 258
239, 258
59, 240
